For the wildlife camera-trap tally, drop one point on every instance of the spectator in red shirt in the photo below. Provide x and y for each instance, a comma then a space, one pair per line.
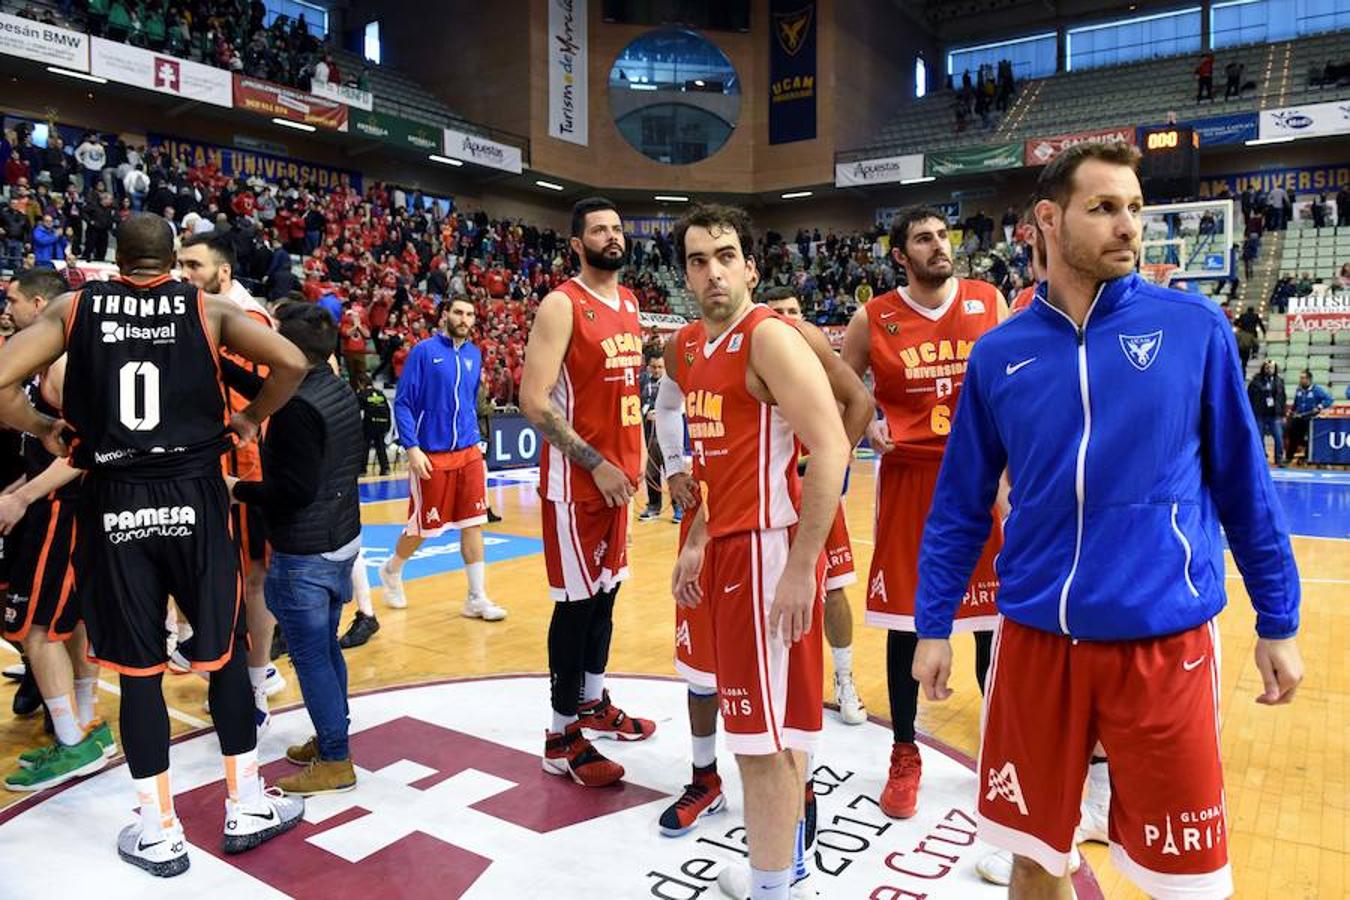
354, 334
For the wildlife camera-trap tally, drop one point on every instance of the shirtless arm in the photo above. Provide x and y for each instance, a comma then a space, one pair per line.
801, 389
544, 353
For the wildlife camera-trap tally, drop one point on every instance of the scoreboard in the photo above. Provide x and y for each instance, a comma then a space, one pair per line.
1170, 168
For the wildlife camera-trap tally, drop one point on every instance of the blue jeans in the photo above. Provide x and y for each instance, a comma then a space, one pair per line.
306, 594
1273, 426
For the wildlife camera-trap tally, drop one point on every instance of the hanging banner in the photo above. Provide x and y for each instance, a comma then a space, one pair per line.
568, 84
273, 100
1313, 120
974, 159
345, 94
1307, 180
792, 71
44, 43
393, 130
234, 162
477, 149
166, 74
879, 171
1040, 151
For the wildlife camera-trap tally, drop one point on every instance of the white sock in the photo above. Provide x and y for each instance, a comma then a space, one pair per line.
705, 750
256, 676
241, 777
395, 564
594, 687
799, 869
68, 731
361, 587
156, 801
770, 884
477, 573
86, 701
843, 661
560, 722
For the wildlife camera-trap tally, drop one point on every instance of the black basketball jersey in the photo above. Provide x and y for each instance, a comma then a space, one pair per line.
143, 394
36, 457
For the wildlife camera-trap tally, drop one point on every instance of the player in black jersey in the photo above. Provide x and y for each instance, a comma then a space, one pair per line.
37, 515
150, 426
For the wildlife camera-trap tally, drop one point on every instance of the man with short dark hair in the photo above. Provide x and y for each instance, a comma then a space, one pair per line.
436, 408
1112, 568
1309, 401
311, 457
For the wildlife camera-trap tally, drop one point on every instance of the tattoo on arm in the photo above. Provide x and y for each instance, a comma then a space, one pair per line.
561, 435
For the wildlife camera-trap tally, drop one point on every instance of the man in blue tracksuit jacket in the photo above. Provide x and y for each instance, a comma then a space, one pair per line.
1118, 409
436, 410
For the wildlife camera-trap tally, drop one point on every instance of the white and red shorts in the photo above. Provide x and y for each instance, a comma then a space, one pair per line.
1154, 706
839, 554
585, 548
694, 658
455, 496
770, 694
904, 494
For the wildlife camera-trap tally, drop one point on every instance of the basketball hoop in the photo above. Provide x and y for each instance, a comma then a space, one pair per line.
1158, 273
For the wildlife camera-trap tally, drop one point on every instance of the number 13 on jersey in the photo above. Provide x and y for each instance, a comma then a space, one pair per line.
630, 410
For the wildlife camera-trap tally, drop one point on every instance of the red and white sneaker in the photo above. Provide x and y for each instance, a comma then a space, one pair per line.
702, 797
602, 719
572, 755
900, 796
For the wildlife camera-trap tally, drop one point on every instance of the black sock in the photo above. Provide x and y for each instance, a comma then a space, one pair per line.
984, 645
904, 690
600, 631
567, 640
144, 722
231, 696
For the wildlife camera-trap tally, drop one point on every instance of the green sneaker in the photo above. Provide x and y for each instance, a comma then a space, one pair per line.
60, 765
102, 733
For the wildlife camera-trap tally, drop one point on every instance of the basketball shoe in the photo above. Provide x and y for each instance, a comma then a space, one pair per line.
734, 882
900, 796
393, 586
98, 730
1095, 810
163, 855
702, 797
482, 608
602, 719
851, 709
571, 754
996, 867
249, 824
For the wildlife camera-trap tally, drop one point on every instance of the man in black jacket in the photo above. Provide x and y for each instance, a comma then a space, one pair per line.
1266, 394
311, 458
98, 219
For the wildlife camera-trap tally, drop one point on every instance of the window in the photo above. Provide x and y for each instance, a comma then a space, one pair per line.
920, 77
316, 17
1238, 22
1127, 40
372, 45
1031, 57
1313, 16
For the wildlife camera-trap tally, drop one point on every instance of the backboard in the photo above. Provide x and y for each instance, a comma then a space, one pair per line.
1188, 241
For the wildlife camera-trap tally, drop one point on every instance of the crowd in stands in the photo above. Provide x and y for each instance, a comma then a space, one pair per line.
1333, 74
991, 90
1235, 79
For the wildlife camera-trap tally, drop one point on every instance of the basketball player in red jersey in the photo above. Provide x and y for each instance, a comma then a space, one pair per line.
754, 550
1028, 294
915, 340
580, 390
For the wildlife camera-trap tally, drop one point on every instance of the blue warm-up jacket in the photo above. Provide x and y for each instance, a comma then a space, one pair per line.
1127, 443
436, 402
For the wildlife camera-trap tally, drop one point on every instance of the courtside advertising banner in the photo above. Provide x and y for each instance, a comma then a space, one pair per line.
159, 72
273, 100
345, 94
44, 43
1328, 312
879, 171
477, 149
792, 71
1313, 120
568, 84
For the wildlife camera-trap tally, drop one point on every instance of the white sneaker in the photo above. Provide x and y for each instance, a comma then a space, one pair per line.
1094, 812
393, 586
851, 709
482, 608
165, 856
247, 826
734, 882
274, 683
996, 867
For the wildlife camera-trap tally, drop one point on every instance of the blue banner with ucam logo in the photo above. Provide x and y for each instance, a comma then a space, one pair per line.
1304, 180
1215, 130
1329, 441
792, 71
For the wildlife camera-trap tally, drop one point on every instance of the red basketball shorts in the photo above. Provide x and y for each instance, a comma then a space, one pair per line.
769, 694
839, 554
1154, 706
904, 494
455, 496
694, 658
585, 548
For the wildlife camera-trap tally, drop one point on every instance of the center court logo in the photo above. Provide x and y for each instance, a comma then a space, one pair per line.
451, 803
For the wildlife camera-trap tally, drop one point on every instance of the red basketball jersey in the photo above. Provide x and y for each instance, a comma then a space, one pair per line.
918, 359
1023, 299
597, 392
745, 454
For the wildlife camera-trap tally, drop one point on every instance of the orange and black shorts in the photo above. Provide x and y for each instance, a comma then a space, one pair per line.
42, 582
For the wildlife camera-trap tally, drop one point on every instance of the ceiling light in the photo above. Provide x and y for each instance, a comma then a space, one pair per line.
635, 86
71, 73
797, 195
1271, 140
550, 185
298, 126
924, 180
672, 198
445, 160
699, 82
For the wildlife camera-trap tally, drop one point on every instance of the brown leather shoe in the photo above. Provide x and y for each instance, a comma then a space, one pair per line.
320, 777
304, 754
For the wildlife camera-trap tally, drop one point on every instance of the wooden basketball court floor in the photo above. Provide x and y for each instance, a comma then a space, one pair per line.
1286, 768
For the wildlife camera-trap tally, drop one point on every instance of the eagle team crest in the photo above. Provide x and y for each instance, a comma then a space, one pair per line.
792, 28
1141, 349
